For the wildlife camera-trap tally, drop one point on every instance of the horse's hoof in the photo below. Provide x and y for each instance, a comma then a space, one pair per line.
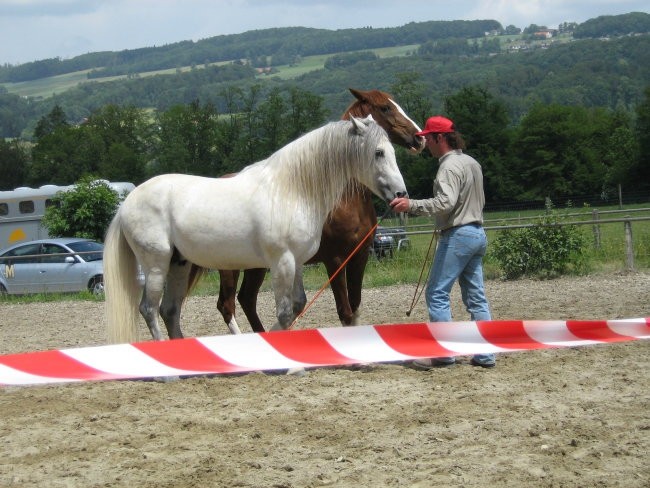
167, 379
159, 379
296, 372
287, 372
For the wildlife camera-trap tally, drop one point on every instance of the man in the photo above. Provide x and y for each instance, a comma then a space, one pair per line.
457, 205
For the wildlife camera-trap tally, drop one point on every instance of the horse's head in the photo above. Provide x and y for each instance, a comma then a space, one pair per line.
389, 115
382, 175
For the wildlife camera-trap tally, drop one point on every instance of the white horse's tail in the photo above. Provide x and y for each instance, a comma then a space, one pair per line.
121, 287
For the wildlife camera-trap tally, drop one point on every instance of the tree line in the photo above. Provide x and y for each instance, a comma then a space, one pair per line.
552, 151
277, 45
591, 73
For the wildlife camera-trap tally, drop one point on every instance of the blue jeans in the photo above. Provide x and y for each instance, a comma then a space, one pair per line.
459, 256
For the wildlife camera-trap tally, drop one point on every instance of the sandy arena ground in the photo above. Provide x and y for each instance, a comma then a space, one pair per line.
554, 418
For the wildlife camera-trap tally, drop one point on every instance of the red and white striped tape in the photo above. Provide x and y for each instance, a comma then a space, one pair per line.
309, 348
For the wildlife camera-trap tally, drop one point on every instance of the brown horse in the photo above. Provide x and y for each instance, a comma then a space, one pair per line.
345, 227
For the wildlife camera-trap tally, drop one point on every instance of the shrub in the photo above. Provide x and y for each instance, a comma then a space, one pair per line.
546, 250
85, 211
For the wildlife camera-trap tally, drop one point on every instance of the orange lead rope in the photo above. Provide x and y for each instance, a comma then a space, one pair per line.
416, 296
327, 283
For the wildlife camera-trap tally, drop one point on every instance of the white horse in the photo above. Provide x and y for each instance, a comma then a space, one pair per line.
270, 215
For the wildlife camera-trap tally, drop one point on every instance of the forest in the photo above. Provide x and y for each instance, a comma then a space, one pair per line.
544, 120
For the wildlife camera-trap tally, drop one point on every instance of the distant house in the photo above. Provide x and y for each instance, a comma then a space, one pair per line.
544, 34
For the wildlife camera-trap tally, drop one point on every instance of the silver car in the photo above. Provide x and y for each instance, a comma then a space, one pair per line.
66, 264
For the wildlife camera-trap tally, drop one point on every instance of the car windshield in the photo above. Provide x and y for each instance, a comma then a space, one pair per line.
89, 247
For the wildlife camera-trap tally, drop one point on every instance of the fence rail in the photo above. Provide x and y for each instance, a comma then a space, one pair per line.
595, 222
595, 213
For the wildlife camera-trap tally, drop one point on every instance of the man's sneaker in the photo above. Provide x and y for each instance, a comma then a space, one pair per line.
483, 364
429, 363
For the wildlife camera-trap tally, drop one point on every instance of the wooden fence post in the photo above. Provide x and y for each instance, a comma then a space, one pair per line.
629, 247
596, 227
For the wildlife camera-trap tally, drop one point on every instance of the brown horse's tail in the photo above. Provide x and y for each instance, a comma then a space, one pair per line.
121, 286
196, 273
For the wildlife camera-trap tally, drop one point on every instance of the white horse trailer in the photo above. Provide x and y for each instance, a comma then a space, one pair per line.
22, 209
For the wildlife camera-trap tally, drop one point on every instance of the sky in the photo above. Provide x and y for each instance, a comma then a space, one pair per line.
32, 30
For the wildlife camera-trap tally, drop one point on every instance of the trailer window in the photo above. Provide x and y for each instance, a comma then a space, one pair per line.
26, 206
4, 209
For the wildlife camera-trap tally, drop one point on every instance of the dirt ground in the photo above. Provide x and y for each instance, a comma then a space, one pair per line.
555, 418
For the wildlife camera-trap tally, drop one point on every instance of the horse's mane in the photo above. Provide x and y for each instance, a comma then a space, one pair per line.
315, 168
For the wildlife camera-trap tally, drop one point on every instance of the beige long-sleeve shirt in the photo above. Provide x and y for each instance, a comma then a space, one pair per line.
458, 196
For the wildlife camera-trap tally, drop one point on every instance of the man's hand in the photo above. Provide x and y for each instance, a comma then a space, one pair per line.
400, 204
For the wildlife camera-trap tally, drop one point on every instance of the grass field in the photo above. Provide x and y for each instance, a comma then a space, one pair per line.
47, 87
406, 266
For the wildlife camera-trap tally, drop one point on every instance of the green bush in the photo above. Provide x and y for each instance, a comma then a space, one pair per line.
83, 211
546, 250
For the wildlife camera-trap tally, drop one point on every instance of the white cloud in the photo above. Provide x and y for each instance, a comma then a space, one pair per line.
38, 29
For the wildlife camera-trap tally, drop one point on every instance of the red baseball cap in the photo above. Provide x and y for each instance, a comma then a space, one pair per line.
437, 125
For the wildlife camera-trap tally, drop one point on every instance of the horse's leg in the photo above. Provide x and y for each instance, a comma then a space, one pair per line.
226, 302
289, 297
299, 296
339, 289
247, 296
151, 295
282, 274
355, 270
172, 300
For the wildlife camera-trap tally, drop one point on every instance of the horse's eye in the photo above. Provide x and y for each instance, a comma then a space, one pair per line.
379, 153
385, 108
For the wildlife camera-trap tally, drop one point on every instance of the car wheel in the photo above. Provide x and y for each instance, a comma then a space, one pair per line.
96, 285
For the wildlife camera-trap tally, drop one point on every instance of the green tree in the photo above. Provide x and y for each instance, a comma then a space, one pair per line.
187, 140
112, 144
305, 112
86, 210
512, 30
484, 122
63, 155
641, 174
622, 155
272, 130
614, 25
533, 28
124, 133
247, 150
410, 95
259, 123
558, 151
13, 164
447, 47
229, 131
14, 113
49, 123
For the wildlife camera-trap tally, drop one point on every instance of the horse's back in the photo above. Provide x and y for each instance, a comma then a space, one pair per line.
215, 223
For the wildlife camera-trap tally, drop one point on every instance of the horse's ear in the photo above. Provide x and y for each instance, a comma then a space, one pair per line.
359, 126
359, 95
